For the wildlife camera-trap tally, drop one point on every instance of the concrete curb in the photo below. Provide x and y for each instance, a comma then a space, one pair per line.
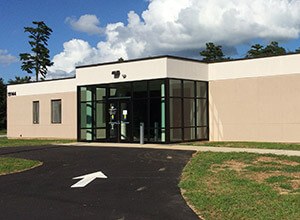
189, 147
252, 150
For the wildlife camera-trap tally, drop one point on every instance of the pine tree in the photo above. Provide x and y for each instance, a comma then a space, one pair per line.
213, 53
38, 60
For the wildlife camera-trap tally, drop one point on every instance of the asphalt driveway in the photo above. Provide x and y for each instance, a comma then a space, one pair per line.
140, 184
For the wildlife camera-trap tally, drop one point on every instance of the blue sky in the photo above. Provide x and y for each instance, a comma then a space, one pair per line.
90, 31
17, 14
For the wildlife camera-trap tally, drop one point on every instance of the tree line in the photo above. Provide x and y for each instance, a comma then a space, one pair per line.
215, 53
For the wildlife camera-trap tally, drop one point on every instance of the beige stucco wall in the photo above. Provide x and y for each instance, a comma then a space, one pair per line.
185, 69
248, 68
142, 70
19, 116
255, 109
44, 87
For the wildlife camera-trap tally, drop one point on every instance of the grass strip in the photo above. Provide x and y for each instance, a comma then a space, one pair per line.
221, 186
260, 145
5, 142
10, 165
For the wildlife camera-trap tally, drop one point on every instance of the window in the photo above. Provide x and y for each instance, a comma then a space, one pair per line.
175, 112
188, 89
175, 88
201, 89
172, 110
188, 117
56, 111
157, 88
140, 89
100, 93
36, 112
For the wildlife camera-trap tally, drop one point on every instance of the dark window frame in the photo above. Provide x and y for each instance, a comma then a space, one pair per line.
52, 111
36, 112
195, 98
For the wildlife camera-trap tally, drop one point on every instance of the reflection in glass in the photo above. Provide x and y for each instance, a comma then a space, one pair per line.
136, 135
56, 111
157, 113
175, 112
100, 114
201, 112
176, 134
175, 88
100, 134
100, 93
201, 89
86, 115
157, 135
86, 134
188, 89
86, 93
202, 133
189, 134
189, 112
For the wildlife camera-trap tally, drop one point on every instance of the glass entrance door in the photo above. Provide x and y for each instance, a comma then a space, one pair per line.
119, 127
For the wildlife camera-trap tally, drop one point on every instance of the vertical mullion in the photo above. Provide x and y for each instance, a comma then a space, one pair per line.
195, 108
130, 105
93, 104
106, 113
207, 110
182, 110
148, 111
78, 113
167, 111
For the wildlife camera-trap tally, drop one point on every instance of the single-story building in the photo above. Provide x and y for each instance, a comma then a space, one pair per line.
177, 99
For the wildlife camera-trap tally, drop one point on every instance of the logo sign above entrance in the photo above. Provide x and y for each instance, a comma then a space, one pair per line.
116, 74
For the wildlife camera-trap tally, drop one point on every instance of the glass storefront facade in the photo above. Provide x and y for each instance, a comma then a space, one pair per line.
171, 110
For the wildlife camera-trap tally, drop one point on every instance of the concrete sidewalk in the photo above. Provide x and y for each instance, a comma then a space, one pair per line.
189, 147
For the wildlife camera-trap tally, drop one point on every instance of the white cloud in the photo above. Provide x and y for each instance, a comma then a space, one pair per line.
6, 58
177, 27
86, 23
76, 52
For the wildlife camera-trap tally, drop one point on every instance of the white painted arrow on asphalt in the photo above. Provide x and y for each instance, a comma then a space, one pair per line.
86, 179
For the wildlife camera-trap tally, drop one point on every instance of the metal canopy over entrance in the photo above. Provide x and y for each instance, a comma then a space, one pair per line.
172, 110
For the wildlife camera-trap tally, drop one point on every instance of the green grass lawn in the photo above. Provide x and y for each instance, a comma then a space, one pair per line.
12, 165
262, 145
4, 142
243, 186
2, 131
